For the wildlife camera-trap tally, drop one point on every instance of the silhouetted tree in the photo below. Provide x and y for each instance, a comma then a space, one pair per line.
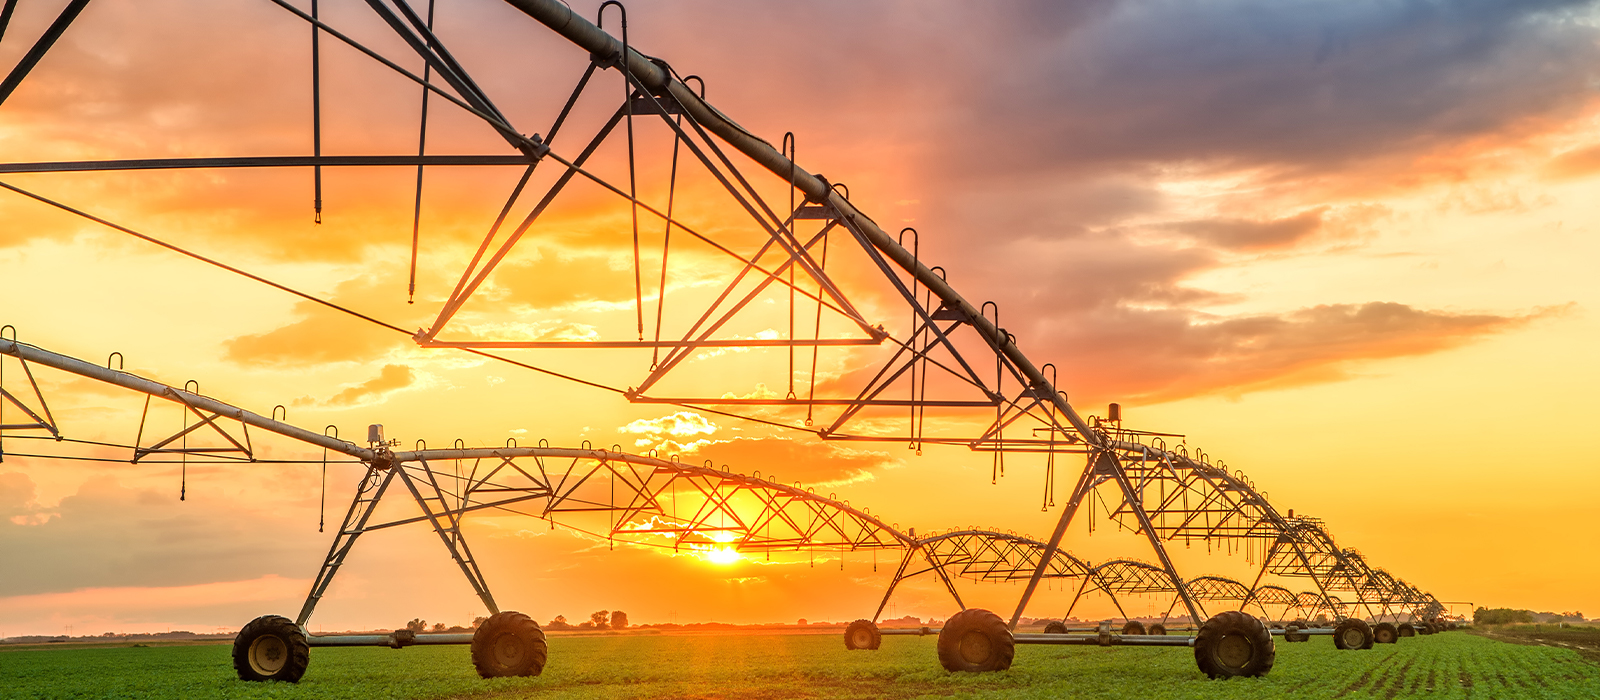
560, 623
599, 617
1501, 616
478, 621
439, 627
417, 625
619, 620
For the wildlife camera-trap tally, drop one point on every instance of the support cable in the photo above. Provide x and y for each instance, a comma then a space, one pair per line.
290, 290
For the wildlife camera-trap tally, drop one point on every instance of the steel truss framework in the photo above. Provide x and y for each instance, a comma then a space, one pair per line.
641, 499
939, 360
608, 494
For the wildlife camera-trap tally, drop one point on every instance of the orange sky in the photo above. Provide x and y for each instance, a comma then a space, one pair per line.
1344, 247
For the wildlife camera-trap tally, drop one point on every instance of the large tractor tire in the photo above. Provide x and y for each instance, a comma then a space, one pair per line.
1292, 632
862, 634
1133, 627
1055, 627
1427, 627
1157, 629
271, 648
1385, 633
975, 640
1352, 633
1406, 629
509, 644
1234, 644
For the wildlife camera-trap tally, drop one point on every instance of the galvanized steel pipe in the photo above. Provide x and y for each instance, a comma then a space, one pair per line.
128, 381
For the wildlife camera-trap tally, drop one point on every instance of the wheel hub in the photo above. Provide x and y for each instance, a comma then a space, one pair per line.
1353, 637
861, 638
1234, 651
508, 650
268, 654
976, 648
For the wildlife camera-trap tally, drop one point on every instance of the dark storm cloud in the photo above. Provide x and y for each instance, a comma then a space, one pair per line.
1301, 85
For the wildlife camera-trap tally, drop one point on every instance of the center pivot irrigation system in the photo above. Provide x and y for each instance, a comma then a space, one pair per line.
796, 287
648, 500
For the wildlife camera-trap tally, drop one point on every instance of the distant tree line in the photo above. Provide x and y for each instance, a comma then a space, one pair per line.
1500, 616
1508, 616
598, 620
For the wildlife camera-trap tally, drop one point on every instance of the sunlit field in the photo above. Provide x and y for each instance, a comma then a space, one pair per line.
1450, 665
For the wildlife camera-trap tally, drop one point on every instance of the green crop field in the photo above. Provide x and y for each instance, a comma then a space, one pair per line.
1451, 665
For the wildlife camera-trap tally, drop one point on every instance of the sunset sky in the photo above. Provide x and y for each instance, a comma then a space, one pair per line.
1344, 246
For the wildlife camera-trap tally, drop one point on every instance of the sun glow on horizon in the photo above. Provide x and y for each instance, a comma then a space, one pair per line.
723, 556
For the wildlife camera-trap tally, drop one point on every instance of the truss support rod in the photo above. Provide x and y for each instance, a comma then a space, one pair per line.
1085, 485
653, 75
140, 384
447, 524
898, 574
47, 40
368, 494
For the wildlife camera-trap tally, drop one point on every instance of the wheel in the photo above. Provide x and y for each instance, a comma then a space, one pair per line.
1234, 644
975, 640
271, 648
1406, 629
1133, 627
1292, 633
1385, 633
1352, 633
1157, 629
862, 634
509, 644
1055, 627
1427, 628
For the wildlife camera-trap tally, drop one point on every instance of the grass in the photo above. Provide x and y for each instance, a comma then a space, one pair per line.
738, 667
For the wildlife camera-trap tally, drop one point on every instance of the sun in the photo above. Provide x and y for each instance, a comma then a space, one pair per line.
723, 555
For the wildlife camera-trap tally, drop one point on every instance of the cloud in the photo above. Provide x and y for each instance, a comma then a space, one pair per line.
812, 462
1252, 234
16, 495
558, 279
1305, 86
680, 424
678, 432
110, 535
390, 379
324, 335
1576, 163
1169, 354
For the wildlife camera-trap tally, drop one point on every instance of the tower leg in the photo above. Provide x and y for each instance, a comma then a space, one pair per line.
446, 522
366, 500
